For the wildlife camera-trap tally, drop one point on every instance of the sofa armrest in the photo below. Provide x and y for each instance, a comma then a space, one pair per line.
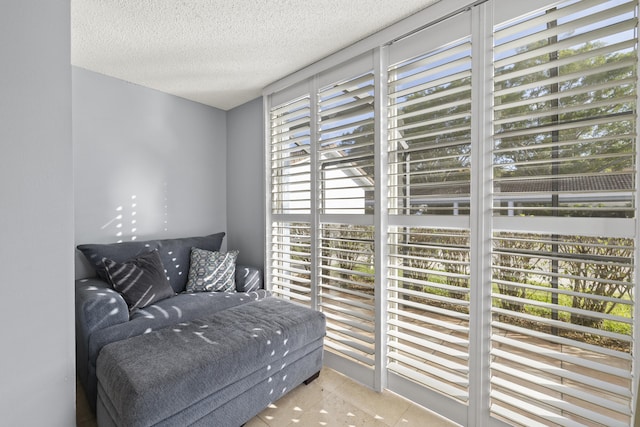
248, 279
97, 307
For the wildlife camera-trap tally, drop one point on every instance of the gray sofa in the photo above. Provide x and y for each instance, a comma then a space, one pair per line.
103, 317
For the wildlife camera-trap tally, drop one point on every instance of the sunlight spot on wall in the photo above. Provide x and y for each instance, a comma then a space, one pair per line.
119, 208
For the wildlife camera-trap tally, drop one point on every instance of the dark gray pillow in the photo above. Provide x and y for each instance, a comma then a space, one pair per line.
175, 254
141, 281
118, 252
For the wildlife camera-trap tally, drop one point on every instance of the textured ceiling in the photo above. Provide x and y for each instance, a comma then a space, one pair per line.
220, 52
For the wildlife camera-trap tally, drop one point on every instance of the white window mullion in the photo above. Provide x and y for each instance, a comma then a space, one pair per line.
480, 217
266, 156
315, 209
381, 212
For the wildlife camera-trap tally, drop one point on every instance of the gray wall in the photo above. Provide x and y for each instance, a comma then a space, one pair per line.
147, 164
245, 182
37, 375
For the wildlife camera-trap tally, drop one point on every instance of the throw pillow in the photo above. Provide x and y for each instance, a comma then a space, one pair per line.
141, 280
212, 271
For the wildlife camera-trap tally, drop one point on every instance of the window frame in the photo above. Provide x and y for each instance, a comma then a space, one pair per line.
481, 222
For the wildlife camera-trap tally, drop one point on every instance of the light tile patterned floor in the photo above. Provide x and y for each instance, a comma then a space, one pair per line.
331, 400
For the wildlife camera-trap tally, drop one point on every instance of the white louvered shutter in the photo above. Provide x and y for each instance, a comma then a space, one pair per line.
429, 174
563, 239
290, 200
346, 181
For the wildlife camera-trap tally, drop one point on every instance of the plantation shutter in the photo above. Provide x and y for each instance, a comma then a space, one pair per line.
346, 180
429, 177
345, 146
504, 240
563, 155
290, 200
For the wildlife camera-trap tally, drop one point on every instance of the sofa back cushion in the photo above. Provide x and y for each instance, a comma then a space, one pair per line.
175, 254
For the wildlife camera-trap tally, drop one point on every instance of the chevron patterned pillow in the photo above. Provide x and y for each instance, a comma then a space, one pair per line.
212, 271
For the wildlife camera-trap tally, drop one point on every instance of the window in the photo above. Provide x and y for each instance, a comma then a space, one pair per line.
346, 179
290, 169
564, 150
429, 176
461, 204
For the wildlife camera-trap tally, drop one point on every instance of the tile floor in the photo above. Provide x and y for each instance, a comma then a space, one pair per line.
331, 400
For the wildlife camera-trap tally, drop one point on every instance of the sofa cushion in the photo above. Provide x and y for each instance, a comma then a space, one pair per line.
175, 254
141, 280
212, 271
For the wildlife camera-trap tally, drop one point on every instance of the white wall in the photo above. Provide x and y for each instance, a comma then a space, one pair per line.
147, 164
245, 182
37, 374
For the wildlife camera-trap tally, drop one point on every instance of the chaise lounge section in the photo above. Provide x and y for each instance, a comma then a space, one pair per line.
220, 370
